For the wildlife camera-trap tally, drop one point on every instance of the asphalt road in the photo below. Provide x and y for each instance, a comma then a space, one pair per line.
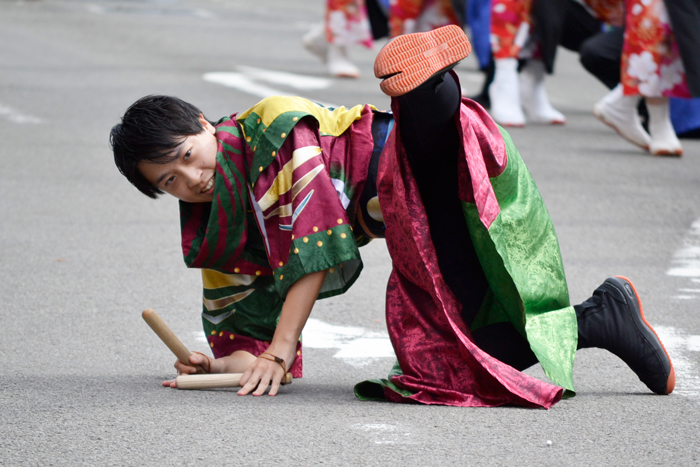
83, 253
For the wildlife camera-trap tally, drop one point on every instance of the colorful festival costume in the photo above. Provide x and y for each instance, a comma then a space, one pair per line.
652, 63
512, 23
293, 196
287, 169
651, 60
347, 21
510, 27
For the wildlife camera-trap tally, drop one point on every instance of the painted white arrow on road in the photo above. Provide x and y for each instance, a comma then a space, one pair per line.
249, 80
16, 117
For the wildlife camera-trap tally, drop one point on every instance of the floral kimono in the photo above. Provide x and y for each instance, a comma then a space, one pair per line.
347, 21
511, 22
651, 61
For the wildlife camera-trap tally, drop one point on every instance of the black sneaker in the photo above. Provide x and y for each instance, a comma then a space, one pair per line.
613, 319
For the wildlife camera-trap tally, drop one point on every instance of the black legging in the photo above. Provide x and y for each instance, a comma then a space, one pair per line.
429, 133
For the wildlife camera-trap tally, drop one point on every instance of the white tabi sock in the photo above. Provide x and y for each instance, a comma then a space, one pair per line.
664, 141
620, 112
315, 42
338, 63
533, 95
504, 93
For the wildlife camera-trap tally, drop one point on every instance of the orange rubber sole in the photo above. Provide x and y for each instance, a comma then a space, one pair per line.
408, 61
671, 382
664, 153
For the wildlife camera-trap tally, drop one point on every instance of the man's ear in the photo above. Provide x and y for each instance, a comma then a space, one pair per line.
207, 126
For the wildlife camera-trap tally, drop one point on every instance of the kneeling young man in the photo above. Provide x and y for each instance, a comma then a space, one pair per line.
276, 200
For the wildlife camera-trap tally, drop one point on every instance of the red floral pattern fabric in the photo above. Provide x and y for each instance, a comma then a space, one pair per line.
651, 61
510, 27
611, 12
347, 22
511, 22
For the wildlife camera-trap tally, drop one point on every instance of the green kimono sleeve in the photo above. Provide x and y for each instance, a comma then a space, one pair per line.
239, 305
520, 256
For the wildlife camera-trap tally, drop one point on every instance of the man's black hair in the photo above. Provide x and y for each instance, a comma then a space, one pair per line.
150, 130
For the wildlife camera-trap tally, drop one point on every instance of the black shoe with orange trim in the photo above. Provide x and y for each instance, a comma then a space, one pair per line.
613, 319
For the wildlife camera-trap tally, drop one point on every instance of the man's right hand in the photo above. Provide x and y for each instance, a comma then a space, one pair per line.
196, 358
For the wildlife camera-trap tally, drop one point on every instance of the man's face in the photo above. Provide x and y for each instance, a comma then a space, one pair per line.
190, 176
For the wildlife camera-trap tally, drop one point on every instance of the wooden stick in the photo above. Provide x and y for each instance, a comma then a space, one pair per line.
169, 338
219, 380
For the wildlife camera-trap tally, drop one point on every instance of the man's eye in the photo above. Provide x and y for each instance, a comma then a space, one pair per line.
187, 155
169, 181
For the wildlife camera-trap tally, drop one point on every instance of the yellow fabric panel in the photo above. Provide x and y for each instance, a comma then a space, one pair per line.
213, 305
285, 210
305, 180
283, 181
215, 280
332, 122
282, 211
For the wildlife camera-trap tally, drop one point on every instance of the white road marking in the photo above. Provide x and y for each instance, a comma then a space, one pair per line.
679, 346
356, 346
301, 82
247, 79
16, 117
150, 10
686, 261
242, 83
693, 343
204, 14
383, 433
